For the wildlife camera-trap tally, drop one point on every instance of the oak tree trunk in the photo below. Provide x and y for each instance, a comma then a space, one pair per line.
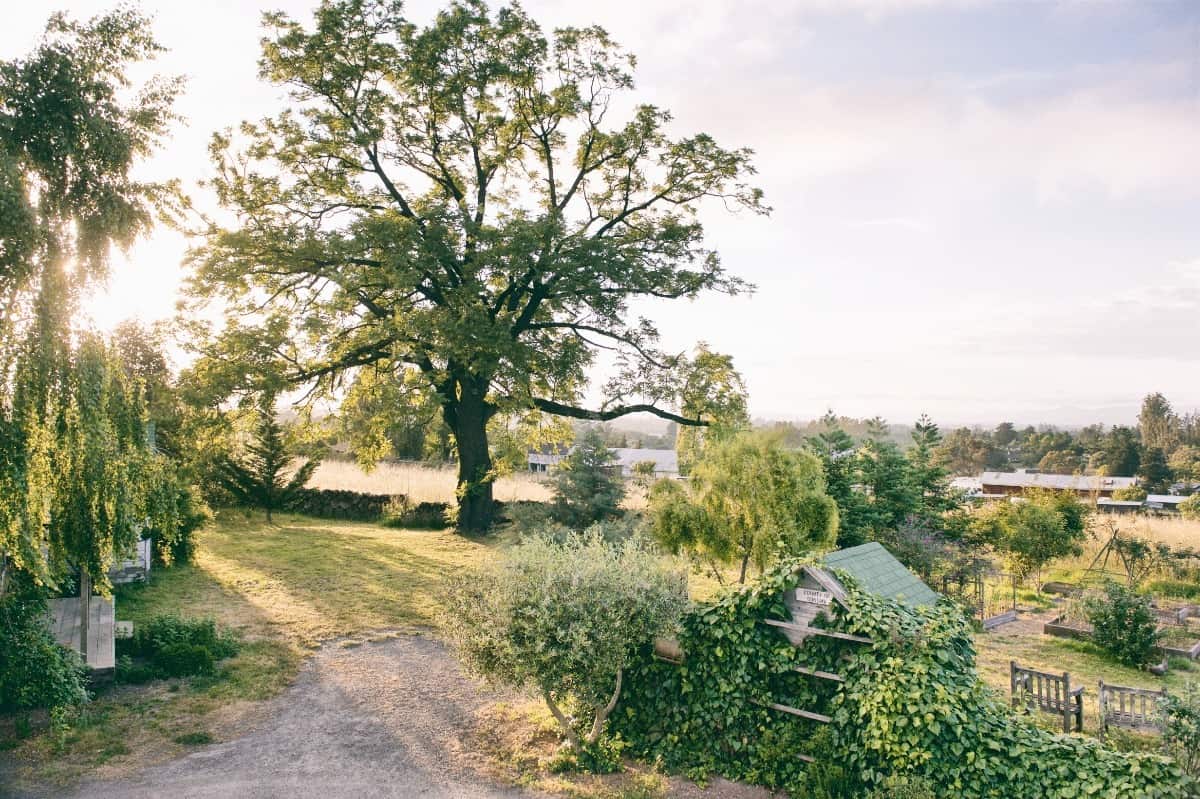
476, 507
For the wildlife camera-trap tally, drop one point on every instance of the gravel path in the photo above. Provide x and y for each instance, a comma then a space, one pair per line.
378, 720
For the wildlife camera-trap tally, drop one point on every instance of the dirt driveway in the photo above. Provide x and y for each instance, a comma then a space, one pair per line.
378, 720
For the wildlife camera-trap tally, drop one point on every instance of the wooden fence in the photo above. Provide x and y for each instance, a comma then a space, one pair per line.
1050, 693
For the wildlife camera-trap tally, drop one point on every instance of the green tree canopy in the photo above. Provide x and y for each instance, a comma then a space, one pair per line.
468, 202
748, 502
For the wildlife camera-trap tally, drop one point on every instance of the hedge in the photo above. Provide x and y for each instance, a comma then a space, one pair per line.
911, 706
352, 505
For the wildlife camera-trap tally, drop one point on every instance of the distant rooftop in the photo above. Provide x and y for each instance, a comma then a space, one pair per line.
664, 460
1061, 482
1164, 499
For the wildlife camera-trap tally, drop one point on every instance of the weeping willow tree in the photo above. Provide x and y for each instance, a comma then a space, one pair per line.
78, 479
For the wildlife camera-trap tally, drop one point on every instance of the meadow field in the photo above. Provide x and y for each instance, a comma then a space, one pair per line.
420, 482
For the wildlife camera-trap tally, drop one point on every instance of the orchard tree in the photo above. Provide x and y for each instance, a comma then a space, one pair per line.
473, 204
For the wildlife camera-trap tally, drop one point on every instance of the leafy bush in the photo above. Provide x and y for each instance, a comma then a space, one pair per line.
1181, 728
183, 660
748, 501
130, 673
422, 516
565, 619
1124, 624
1046, 526
1130, 494
911, 708
35, 672
587, 483
160, 632
1190, 507
169, 646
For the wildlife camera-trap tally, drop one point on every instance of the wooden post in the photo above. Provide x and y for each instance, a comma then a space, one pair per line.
85, 601
1103, 701
1066, 705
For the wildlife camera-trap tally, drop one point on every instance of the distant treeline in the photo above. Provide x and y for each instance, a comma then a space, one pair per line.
1161, 447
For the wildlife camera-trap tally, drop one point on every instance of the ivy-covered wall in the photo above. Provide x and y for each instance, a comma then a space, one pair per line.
911, 705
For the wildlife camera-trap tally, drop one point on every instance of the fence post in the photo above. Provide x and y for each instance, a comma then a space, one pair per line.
1066, 705
1103, 701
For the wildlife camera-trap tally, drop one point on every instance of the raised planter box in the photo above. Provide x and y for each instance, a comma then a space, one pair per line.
1060, 628
1191, 652
995, 621
1175, 616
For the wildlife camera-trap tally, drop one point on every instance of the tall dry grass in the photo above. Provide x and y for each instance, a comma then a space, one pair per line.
420, 483
1176, 532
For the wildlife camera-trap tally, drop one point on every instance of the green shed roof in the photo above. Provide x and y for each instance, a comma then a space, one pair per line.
876, 570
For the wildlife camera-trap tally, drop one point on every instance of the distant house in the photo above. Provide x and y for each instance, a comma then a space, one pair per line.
1164, 503
545, 456
666, 461
1082, 485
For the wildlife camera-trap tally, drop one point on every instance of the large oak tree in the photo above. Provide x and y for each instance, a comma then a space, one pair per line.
474, 201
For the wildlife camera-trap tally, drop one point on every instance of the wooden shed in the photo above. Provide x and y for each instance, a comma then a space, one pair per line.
874, 569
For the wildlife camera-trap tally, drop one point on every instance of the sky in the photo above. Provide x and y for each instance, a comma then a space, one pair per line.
982, 210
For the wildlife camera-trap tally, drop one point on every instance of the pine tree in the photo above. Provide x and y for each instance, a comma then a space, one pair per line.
587, 483
259, 477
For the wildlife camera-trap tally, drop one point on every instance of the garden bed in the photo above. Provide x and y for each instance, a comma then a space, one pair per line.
1062, 627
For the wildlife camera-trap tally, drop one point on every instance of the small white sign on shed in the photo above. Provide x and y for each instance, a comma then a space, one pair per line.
813, 597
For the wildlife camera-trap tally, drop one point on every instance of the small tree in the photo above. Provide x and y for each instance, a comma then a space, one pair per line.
259, 477
1130, 494
587, 485
1124, 624
1190, 507
1181, 728
749, 501
565, 619
1043, 527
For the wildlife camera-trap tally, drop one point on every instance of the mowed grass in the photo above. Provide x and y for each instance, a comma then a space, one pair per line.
421, 483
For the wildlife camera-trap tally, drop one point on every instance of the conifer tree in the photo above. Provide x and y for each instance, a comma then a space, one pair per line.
259, 477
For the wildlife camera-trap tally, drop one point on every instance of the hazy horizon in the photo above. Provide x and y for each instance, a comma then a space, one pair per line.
983, 210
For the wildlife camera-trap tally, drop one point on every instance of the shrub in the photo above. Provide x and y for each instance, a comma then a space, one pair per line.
1124, 624
565, 619
1181, 728
169, 646
749, 501
1190, 507
422, 516
35, 672
160, 632
183, 660
130, 673
587, 483
1130, 494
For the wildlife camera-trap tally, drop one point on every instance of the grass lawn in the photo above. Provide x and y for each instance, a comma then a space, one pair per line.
1086, 664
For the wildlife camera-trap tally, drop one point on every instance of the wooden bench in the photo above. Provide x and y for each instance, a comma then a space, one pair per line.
1130, 708
1050, 693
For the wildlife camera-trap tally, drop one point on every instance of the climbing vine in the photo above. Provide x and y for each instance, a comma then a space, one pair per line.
911, 705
